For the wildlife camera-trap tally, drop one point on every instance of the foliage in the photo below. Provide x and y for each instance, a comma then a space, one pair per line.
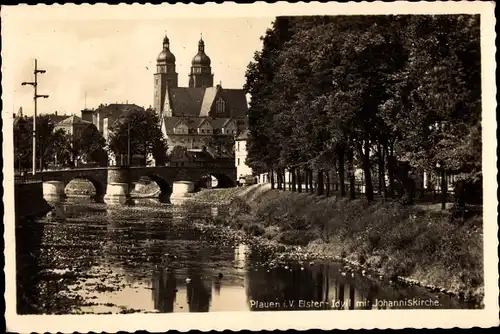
51, 145
90, 145
140, 129
387, 93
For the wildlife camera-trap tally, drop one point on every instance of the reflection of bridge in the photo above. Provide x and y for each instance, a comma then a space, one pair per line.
117, 181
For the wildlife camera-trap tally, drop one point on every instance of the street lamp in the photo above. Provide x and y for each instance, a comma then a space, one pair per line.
36, 96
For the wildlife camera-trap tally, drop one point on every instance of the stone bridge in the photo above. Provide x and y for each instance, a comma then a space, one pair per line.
118, 181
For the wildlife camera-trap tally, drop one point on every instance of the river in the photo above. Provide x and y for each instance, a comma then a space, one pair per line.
154, 257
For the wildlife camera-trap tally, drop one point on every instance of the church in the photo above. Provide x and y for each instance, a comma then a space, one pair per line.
195, 117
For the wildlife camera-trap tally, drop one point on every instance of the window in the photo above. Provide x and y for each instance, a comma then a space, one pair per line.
202, 130
238, 161
157, 81
220, 106
238, 147
105, 128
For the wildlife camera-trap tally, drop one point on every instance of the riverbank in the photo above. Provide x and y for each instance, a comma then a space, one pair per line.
412, 244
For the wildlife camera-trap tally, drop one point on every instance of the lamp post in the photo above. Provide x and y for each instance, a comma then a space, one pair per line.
35, 98
128, 143
444, 185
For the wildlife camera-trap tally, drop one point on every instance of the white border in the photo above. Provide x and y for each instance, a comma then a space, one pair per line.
271, 320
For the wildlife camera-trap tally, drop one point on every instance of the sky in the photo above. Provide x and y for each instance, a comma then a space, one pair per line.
92, 60
99, 53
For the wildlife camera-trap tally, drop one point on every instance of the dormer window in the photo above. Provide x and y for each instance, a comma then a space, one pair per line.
220, 106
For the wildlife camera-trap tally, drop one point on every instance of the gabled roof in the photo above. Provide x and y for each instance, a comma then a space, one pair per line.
73, 120
181, 121
197, 102
243, 135
57, 118
204, 120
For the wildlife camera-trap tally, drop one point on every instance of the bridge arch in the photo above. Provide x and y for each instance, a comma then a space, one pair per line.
222, 181
99, 187
164, 185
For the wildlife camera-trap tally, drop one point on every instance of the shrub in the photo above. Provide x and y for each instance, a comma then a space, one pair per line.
296, 237
254, 229
238, 206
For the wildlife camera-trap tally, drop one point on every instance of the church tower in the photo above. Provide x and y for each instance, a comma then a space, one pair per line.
165, 75
201, 73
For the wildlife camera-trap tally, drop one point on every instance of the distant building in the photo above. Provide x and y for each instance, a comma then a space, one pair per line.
190, 115
73, 126
240, 155
105, 116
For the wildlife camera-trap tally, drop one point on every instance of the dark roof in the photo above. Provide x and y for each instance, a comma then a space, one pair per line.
121, 108
198, 101
236, 100
57, 118
186, 101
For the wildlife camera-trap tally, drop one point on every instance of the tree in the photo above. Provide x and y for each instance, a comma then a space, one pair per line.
22, 143
386, 93
90, 145
140, 129
262, 146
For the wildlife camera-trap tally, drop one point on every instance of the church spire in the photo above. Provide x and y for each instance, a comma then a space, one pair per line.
166, 42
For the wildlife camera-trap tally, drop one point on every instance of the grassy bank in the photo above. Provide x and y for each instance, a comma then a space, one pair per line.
426, 247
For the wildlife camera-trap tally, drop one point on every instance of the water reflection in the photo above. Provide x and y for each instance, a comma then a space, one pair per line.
164, 291
148, 255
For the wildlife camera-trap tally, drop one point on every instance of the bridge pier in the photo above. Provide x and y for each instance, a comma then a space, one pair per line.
118, 187
53, 190
182, 188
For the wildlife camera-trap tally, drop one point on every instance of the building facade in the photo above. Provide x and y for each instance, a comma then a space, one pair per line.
240, 155
73, 125
197, 116
104, 116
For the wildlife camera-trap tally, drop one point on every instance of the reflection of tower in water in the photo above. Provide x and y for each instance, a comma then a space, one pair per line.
240, 253
198, 294
164, 291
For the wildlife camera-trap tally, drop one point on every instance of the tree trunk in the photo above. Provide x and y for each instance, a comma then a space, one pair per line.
272, 178
279, 177
319, 183
327, 183
444, 189
306, 180
381, 172
341, 169
351, 175
390, 169
311, 186
294, 180
366, 168
299, 180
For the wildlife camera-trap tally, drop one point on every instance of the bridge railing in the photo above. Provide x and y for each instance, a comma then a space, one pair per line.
25, 179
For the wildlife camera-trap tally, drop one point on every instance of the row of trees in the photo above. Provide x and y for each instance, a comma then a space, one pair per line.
388, 94
138, 132
55, 146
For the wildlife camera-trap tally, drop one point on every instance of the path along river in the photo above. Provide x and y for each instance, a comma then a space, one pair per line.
155, 257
